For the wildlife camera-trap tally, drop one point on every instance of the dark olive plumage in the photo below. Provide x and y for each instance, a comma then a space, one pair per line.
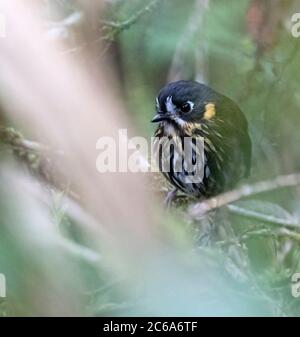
191, 109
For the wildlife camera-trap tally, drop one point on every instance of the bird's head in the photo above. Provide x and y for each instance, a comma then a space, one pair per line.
183, 103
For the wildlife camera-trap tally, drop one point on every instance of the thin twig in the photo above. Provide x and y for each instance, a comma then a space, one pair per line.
263, 232
260, 233
289, 223
198, 210
74, 211
116, 27
86, 254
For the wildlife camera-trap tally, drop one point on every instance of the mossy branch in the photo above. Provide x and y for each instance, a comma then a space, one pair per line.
9, 136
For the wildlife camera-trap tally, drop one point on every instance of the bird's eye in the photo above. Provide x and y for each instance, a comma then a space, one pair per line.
186, 107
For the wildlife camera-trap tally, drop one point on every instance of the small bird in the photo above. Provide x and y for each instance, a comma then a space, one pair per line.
191, 110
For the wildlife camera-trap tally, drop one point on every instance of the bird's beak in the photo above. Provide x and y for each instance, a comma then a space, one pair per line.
161, 117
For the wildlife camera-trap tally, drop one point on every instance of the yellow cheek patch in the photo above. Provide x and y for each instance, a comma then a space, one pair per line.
210, 111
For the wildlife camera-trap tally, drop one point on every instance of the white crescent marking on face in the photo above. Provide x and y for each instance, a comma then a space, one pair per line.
192, 104
170, 106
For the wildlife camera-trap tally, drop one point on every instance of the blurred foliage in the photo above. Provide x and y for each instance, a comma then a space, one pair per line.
233, 265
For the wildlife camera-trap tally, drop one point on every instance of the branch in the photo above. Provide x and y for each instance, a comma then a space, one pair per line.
115, 28
198, 210
264, 232
292, 223
37, 157
75, 212
16, 141
88, 255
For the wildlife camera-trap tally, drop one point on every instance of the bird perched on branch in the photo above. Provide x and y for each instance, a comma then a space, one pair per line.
213, 130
